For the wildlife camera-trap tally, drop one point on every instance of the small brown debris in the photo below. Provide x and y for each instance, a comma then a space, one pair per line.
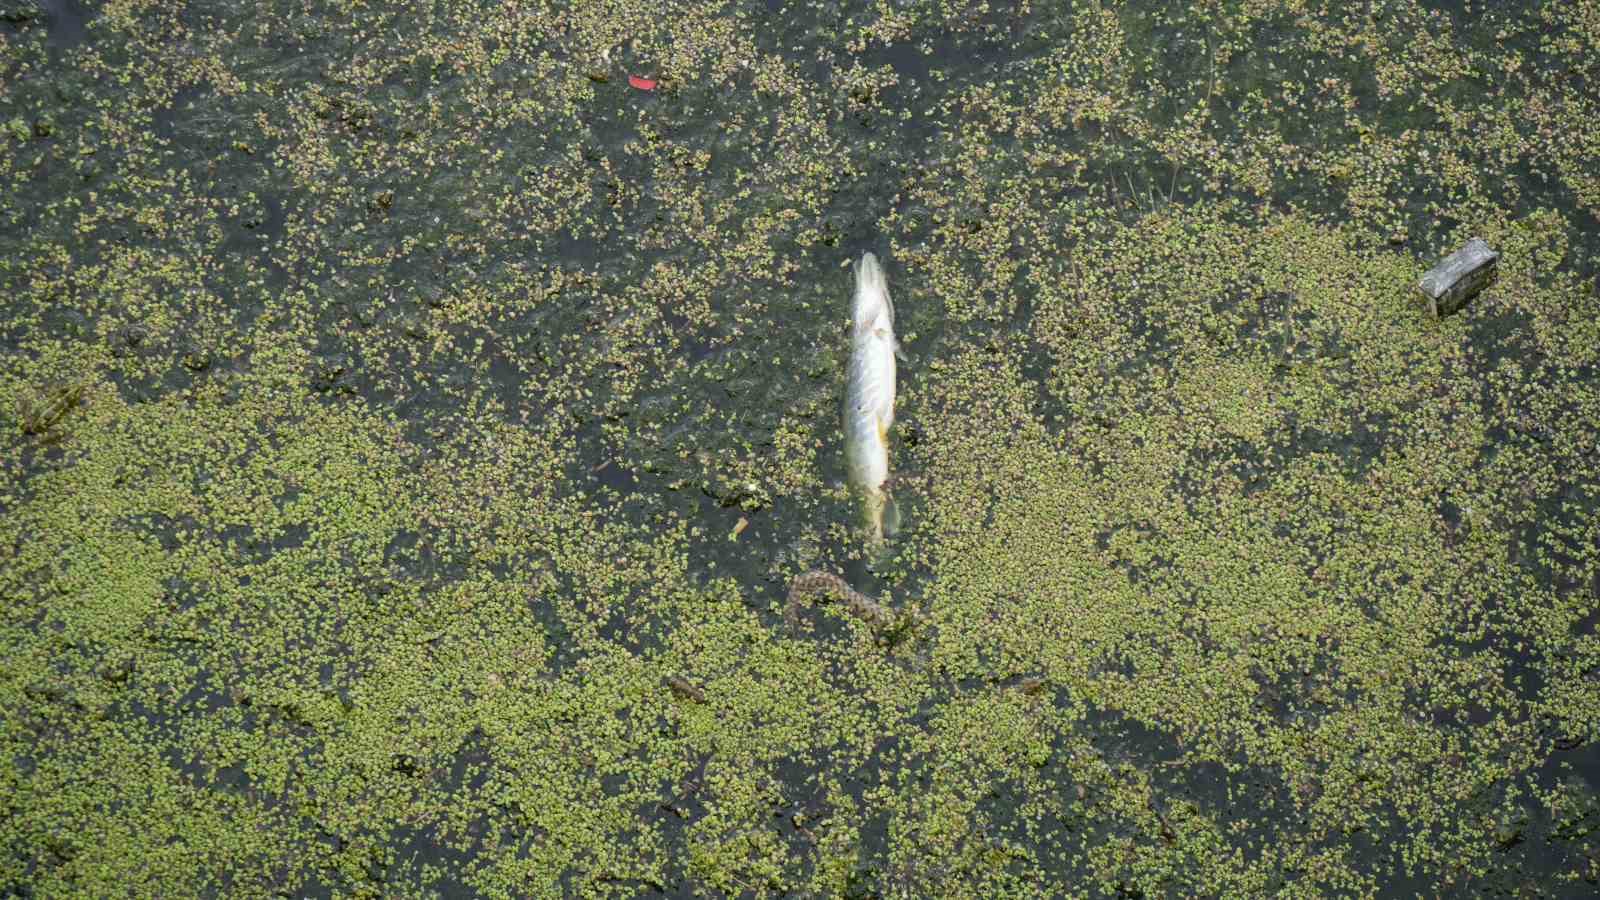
685, 688
1033, 684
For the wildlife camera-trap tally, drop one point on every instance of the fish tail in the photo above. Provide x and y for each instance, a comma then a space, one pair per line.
891, 517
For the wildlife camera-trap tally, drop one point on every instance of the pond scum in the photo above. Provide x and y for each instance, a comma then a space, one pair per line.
380, 385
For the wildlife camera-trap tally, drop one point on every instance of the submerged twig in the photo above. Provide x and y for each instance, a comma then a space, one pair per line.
827, 584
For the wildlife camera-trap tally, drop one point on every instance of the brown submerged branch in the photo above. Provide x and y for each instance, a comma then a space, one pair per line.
817, 583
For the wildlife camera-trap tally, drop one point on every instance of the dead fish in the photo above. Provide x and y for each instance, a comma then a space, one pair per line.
869, 399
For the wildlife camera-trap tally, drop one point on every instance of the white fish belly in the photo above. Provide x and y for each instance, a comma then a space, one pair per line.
866, 455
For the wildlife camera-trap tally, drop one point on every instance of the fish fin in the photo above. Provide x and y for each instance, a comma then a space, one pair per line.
891, 517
